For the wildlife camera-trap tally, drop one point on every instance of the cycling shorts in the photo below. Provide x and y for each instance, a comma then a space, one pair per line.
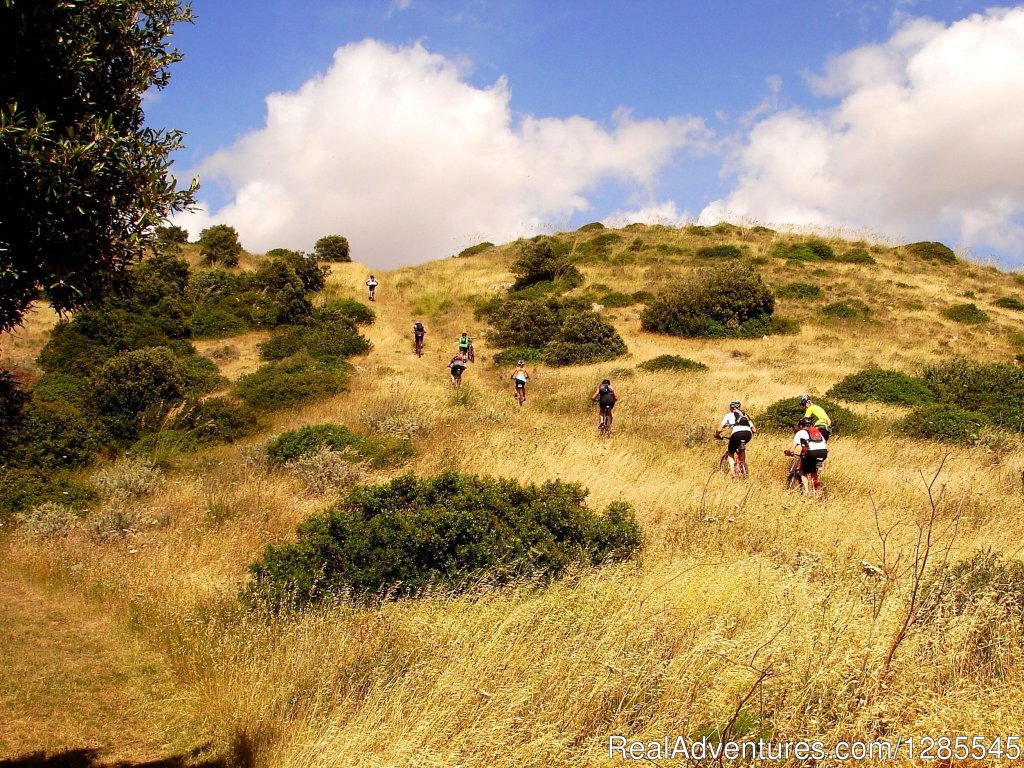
457, 370
520, 384
738, 440
812, 460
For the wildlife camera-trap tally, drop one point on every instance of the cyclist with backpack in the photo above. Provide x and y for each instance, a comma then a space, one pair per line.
371, 286
464, 345
818, 416
418, 332
741, 432
606, 398
812, 450
520, 377
457, 366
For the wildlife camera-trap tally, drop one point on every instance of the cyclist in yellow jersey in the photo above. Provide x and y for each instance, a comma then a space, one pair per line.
816, 412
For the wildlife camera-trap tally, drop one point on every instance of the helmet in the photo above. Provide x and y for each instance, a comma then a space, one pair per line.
805, 399
520, 363
806, 422
606, 383
735, 404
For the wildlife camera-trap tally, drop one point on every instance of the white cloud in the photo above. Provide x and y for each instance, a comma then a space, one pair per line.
392, 148
666, 214
924, 143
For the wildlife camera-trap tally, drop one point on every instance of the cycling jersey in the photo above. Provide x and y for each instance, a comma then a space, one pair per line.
806, 443
738, 421
817, 413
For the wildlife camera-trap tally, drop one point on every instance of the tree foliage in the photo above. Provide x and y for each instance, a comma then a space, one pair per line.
219, 245
332, 248
83, 182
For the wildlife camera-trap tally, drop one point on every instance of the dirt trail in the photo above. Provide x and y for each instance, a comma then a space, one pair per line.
74, 682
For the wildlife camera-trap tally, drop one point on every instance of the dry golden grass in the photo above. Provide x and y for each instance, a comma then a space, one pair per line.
738, 582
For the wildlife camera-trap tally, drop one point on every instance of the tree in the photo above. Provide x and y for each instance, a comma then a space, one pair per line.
171, 234
219, 244
538, 262
83, 182
332, 248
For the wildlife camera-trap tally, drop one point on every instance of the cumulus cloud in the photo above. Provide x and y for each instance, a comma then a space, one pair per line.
392, 148
924, 141
666, 214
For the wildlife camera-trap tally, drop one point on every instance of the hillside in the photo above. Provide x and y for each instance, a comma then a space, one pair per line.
751, 612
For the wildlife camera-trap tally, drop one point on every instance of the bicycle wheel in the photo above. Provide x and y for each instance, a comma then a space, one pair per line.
723, 464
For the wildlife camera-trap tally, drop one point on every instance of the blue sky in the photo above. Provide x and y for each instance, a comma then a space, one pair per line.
418, 128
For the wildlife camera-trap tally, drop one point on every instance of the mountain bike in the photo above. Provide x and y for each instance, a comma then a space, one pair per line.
469, 352
604, 424
418, 346
520, 392
457, 377
739, 468
793, 478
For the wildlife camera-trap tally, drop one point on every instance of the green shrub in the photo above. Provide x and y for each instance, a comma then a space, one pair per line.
945, 422
883, 386
54, 435
671, 363
473, 250
338, 310
27, 488
539, 261
930, 251
524, 324
592, 226
219, 245
332, 248
215, 420
326, 341
199, 375
642, 297
719, 252
1010, 302
847, 310
798, 291
968, 314
12, 402
615, 299
599, 247
782, 416
855, 256
783, 326
407, 535
811, 250
213, 322
515, 354
377, 451
135, 390
996, 390
171, 234
715, 303
291, 382
584, 337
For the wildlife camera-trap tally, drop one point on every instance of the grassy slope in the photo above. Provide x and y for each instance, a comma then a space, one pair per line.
736, 580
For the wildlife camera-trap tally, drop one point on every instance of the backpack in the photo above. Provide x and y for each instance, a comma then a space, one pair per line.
605, 395
742, 420
418, 327
815, 434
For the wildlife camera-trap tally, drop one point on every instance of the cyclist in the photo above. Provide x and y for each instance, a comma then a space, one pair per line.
742, 430
464, 345
371, 285
813, 450
520, 377
606, 398
817, 413
418, 332
457, 365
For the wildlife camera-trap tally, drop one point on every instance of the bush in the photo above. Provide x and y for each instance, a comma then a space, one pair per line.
798, 291
782, 416
12, 400
615, 299
133, 477
334, 341
811, 250
27, 488
996, 390
591, 227
715, 303
855, 256
216, 323
520, 323
199, 375
171, 235
599, 247
219, 245
968, 314
55, 434
332, 248
783, 326
538, 262
473, 250
215, 420
930, 251
1010, 302
135, 390
719, 252
377, 451
515, 354
671, 363
945, 422
291, 382
854, 309
883, 386
350, 310
585, 337
407, 535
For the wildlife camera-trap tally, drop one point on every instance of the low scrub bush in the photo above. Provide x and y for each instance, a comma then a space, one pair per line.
332, 248
811, 250
719, 252
12, 401
783, 415
47, 520
539, 261
518, 323
798, 291
214, 322
215, 420
324, 341
883, 386
135, 390
597, 248
378, 451
944, 422
930, 251
410, 534
717, 302
325, 471
473, 250
515, 354
25, 488
616, 299
584, 337
996, 390
291, 382
852, 309
54, 435
968, 314
671, 363
133, 476
855, 256
1010, 302
783, 326
340, 310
